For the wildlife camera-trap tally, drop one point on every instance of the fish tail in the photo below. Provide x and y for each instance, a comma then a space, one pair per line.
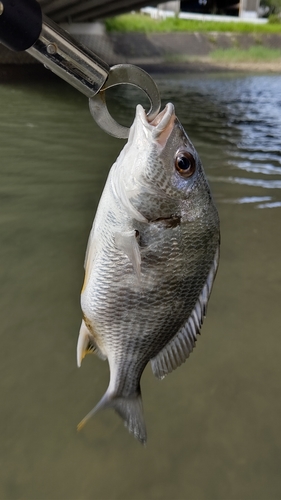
130, 410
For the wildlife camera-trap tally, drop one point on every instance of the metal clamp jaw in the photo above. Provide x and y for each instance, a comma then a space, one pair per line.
23, 27
119, 75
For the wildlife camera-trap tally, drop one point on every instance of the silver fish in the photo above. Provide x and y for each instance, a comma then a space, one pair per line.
151, 260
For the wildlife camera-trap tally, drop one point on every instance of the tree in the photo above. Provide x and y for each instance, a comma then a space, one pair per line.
274, 6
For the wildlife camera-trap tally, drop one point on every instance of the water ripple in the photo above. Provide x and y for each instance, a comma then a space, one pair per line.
274, 184
265, 168
235, 122
274, 204
248, 199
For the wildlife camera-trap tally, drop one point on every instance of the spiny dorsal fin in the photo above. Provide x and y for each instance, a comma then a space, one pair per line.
86, 344
181, 345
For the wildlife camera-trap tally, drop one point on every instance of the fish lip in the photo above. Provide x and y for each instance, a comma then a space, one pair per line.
161, 126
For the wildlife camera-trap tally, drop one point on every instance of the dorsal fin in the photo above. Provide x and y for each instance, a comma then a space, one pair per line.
181, 345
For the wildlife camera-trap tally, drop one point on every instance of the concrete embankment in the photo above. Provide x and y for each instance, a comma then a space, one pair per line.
162, 51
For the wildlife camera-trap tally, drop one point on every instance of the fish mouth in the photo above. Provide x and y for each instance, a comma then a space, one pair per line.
161, 126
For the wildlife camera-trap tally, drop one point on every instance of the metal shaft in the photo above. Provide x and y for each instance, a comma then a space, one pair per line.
23, 27
68, 59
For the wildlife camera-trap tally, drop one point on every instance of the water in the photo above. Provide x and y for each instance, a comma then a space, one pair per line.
213, 424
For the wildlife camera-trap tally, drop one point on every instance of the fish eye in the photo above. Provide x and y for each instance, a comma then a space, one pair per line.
185, 163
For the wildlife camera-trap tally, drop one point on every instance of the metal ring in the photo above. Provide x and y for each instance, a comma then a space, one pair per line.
123, 74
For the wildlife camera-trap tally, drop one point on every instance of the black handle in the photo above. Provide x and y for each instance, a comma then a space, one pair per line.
20, 23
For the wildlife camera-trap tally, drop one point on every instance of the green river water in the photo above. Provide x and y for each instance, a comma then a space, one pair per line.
214, 425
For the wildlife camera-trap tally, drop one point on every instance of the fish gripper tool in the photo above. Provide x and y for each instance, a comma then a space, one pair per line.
23, 27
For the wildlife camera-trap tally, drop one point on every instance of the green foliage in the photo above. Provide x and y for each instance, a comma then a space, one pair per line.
253, 54
273, 5
274, 19
144, 24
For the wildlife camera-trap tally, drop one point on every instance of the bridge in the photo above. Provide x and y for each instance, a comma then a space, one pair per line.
69, 11
88, 10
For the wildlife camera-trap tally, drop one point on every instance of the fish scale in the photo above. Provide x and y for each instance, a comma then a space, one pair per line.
151, 261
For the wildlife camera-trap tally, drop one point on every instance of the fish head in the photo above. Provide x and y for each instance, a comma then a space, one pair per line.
160, 169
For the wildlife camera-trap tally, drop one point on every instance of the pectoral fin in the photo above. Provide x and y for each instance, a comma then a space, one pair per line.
127, 242
86, 344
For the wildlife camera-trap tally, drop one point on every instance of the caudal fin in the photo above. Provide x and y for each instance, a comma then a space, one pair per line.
130, 410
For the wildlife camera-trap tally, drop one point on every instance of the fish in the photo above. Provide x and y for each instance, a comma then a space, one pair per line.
150, 264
